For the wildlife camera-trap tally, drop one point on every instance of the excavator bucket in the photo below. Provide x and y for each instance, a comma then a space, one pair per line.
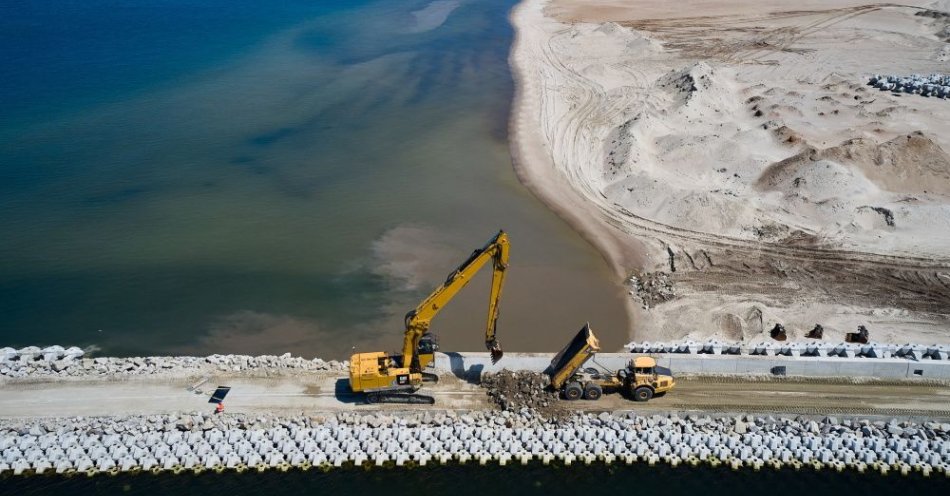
778, 333
817, 333
494, 347
496, 355
858, 337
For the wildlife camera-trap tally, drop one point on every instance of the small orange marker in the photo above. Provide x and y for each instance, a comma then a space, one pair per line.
219, 408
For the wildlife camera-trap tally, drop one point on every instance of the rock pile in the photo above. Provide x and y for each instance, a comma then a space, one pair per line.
194, 442
522, 391
935, 85
71, 362
652, 288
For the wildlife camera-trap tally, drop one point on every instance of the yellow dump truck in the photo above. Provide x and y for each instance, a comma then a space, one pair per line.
640, 380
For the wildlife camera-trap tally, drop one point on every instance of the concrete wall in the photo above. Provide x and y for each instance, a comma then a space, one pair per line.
469, 365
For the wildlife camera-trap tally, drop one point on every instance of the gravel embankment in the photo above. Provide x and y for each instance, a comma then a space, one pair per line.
56, 361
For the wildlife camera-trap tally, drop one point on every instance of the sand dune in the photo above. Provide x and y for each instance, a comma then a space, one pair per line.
738, 149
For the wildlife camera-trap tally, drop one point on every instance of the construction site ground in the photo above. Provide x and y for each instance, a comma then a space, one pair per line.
328, 392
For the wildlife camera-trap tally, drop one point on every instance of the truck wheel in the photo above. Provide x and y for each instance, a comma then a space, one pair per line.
573, 391
642, 393
593, 392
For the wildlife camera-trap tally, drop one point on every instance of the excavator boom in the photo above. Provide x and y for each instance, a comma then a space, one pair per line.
419, 319
385, 377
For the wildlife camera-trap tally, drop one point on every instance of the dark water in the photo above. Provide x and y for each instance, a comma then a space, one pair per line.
262, 177
474, 480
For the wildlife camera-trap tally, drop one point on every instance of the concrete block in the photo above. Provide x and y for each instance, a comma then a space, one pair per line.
719, 366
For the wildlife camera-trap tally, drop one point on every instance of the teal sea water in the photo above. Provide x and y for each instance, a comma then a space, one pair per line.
260, 177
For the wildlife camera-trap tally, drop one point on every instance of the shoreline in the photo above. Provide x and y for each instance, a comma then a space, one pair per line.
532, 166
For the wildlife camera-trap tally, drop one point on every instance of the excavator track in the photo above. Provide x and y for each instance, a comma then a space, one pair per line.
402, 398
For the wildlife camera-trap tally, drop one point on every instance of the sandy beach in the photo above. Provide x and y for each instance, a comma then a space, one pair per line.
734, 166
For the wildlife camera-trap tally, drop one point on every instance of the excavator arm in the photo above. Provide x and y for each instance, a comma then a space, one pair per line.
418, 320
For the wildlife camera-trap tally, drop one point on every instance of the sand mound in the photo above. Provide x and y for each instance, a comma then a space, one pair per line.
689, 83
858, 167
631, 38
913, 163
809, 175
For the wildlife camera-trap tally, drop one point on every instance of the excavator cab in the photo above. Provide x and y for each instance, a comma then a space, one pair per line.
428, 344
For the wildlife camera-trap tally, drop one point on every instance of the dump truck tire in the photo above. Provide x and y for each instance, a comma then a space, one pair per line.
593, 392
642, 393
573, 391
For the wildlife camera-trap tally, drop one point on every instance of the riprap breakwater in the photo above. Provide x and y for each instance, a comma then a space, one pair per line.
199, 442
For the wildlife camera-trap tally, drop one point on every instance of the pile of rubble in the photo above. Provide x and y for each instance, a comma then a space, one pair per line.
652, 288
522, 391
57, 361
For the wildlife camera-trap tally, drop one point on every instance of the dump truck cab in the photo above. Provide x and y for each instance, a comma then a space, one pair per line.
644, 379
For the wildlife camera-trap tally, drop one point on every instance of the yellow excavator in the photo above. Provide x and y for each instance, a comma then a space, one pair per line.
387, 378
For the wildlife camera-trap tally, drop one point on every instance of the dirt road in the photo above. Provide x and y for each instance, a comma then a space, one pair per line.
328, 393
